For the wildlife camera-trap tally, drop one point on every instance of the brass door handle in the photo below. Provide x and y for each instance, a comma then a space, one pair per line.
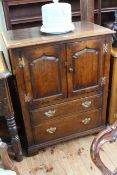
86, 121
86, 104
51, 130
50, 113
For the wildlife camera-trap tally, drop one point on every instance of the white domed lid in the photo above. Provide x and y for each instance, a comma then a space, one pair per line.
55, 1
56, 5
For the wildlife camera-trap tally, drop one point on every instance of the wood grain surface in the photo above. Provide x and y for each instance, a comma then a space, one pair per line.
33, 36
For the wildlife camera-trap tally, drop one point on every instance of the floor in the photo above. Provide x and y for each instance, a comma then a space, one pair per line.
69, 158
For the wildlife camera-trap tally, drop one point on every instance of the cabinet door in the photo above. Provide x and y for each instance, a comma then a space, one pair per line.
85, 62
44, 74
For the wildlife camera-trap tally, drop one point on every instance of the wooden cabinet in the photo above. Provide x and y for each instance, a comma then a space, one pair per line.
112, 115
8, 129
107, 11
62, 81
27, 13
104, 11
23, 13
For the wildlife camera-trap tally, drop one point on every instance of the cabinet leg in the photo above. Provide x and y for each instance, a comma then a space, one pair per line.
15, 141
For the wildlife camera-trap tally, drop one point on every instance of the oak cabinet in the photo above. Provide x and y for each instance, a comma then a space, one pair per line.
62, 81
27, 13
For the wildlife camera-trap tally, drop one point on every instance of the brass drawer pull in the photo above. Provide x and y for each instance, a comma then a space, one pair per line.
115, 115
51, 130
86, 104
50, 113
86, 121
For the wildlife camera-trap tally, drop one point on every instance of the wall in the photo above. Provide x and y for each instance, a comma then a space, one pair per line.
2, 29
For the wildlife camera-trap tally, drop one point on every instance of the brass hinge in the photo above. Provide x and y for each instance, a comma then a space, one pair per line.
21, 62
103, 81
105, 48
27, 97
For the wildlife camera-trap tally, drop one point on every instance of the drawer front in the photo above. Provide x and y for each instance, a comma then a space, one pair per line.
71, 124
62, 110
2, 90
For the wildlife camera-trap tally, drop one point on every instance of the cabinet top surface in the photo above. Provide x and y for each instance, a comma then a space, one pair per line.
32, 36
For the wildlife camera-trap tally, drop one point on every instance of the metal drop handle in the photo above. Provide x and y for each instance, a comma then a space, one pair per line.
86, 104
50, 113
51, 130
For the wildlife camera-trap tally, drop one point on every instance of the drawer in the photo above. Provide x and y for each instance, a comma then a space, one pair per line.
55, 129
2, 90
63, 109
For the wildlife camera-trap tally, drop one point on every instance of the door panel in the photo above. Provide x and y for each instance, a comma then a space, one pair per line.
85, 66
45, 73
45, 76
